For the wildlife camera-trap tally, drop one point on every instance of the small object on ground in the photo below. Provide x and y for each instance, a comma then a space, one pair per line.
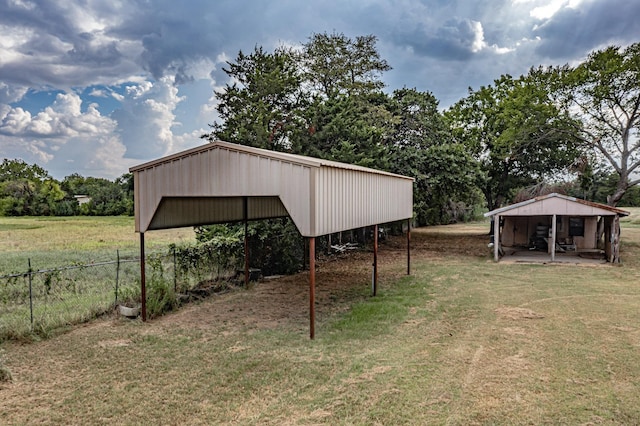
128, 312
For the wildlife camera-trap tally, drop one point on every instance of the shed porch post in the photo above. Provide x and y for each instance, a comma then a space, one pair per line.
496, 237
312, 287
245, 203
553, 238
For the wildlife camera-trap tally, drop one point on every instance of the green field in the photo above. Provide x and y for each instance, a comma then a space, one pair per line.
461, 341
58, 241
63, 291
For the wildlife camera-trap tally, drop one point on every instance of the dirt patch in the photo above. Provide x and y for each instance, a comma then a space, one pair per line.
517, 313
341, 280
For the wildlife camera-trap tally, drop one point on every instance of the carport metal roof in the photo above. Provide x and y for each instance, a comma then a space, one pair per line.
210, 184
222, 182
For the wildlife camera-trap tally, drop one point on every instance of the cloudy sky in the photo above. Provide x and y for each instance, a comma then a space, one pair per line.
96, 86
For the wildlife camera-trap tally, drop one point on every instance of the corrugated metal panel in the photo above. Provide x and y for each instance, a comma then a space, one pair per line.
265, 207
348, 199
175, 212
206, 185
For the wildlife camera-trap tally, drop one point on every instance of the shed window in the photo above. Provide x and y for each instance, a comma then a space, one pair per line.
576, 227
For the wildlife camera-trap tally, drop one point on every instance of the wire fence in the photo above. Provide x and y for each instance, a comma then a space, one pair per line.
37, 301
40, 300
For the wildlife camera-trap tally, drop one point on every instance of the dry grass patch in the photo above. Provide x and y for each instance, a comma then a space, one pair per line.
462, 341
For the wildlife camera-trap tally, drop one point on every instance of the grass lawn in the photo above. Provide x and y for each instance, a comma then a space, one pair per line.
461, 341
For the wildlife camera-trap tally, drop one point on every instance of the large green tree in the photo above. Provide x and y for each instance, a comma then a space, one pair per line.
421, 146
337, 65
516, 132
260, 106
603, 94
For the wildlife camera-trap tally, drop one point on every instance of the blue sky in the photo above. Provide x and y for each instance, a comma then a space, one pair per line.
94, 87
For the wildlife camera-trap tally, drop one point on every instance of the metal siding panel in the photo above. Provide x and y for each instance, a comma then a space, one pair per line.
265, 207
345, 198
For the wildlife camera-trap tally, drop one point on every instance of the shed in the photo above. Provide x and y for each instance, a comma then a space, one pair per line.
558, 223
222, 182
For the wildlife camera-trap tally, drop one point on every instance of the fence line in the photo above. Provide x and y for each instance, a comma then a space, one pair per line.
40, 300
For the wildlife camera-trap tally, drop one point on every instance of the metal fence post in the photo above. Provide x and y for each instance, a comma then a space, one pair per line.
30, 293
117, 273
175, 270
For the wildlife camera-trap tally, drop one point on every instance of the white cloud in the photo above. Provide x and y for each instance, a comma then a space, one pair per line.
478, 40
61, 132
548, 10
145, 120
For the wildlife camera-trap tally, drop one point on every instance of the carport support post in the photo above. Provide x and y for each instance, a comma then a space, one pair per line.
408, 246
375, 260
312, 287
143, 279
246, 241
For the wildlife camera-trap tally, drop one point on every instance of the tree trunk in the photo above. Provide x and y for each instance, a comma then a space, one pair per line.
621, 189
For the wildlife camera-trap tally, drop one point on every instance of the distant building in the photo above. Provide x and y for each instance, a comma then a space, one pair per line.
82, 199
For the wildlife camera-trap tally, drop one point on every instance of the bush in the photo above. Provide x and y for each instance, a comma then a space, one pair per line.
161, 295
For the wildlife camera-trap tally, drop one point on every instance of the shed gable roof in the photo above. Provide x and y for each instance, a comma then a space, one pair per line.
557, 204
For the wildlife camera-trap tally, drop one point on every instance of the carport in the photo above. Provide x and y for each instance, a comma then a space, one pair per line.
222, 182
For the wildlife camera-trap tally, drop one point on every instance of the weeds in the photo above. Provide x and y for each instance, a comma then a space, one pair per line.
5, 373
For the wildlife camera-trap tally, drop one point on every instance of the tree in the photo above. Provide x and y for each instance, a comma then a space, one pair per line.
421, 146
338, 65
260, 106
603, 94
350, 129
516, 132
348, 119
27, 189
20, 170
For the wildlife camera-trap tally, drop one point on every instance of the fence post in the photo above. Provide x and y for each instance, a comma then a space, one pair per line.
30, 293
117, 273
175, 270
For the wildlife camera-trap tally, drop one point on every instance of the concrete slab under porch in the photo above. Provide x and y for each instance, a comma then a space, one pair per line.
523, 255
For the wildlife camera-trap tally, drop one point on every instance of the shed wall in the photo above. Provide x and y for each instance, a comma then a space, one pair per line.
518, 230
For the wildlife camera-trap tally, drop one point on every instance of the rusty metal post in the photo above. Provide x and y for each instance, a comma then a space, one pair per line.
246, 241
312, 287
409, 246
143, 279
375, 259
246, 256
